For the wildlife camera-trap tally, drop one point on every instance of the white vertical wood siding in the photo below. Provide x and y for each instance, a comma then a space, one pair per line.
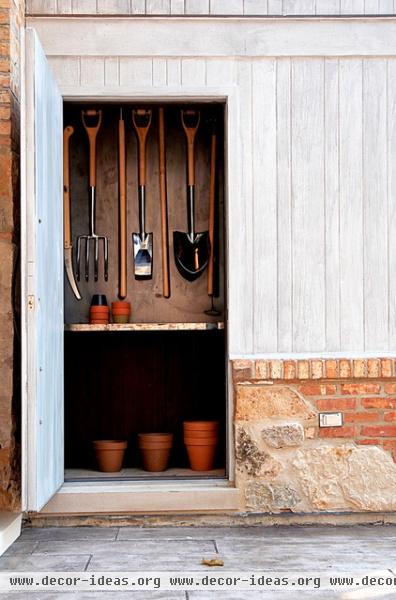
314, 215
213, 7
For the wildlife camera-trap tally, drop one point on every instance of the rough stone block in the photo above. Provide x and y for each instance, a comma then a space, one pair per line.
250, 459
270, 497
282, 436
255, 403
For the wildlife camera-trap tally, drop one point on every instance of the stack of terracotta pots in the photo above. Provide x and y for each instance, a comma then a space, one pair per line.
121, 311
155, 450
201, 439
99, 312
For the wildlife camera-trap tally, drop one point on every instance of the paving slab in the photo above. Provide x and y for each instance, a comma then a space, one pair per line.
134, 547
68, 533
21, 548
93, 595
44, 563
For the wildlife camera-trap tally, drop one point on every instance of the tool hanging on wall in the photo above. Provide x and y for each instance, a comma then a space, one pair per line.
164, 205
212, 312
92, 132
68, 246
191, 249
122, 292
142, 241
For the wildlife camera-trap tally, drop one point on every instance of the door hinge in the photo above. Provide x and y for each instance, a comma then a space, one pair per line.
30, 302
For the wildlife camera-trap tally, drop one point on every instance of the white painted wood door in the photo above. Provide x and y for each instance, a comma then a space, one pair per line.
42, 217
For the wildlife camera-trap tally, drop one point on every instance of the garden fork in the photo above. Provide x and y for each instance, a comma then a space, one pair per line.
95, 116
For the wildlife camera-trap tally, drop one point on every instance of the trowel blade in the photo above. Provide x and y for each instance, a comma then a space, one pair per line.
143, 255
191, 256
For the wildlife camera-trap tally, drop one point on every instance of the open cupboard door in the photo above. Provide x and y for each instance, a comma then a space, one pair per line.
42, 281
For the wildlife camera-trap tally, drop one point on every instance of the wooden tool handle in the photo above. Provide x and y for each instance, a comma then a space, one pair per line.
122, 191
142, 129
212, 197
67, 133
190, 131
164, 205
92, 132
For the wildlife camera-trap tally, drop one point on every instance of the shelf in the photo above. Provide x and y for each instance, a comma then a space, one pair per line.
144, 327
130, 474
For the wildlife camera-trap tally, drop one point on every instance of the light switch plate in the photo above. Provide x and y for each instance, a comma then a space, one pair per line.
333, 419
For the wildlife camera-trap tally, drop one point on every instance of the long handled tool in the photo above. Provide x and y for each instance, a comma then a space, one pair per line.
191, 249
164, 205
142, 241
92, 132
122, 292
212, 218
68, 246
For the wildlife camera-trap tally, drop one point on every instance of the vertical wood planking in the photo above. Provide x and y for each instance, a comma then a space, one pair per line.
284, 231
299, 7
240, 220
92, 71
197, 7
43, 7
112, 72
177, 7
307, 142
136, 72
385, 7
137, 7
220, 72
391, 147
255, 7
173, 71
82, 7
230, 7
327, 7
64, 7
159, 72
375, 215
66, 69
113, 7
264, 206
158, 7
352, 7
275, 7
351, 204
371, 7
332, 207
193, 72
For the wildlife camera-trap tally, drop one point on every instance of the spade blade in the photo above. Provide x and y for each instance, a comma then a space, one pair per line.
191, 255
143, 255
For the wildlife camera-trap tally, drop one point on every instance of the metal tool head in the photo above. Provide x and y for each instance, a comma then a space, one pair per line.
95, 239
68, 255
191, 254
143, 255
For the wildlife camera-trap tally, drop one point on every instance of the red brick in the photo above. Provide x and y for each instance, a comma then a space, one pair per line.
345, 368
242, 369
303, 369
276, 369
337, 432
331, 369
379, 402
336, 403
316, 369
371, 442
362, 417
379, 431
5, 113
360, 388
386, 367
359, 368
374, 367
289, 369
317, 389
262, 369
390, 388
390, 416
389, 444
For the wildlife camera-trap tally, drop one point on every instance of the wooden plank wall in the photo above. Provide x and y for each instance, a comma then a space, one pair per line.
212, 7
312, 257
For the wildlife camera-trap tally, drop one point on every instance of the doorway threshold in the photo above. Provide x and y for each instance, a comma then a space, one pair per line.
132, 497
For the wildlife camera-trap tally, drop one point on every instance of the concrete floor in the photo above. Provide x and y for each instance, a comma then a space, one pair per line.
356, 550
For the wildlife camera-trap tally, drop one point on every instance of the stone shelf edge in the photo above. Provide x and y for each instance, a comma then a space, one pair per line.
144, 327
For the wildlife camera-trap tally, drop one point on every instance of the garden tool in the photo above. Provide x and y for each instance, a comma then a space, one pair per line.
122, 292
164, 206
95, 117
67, 243
142, 241
212, 312
191, 249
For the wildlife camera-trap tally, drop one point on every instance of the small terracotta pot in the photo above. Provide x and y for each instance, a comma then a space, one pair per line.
201, 426
121, 304
155, 450
201, 453
109, 454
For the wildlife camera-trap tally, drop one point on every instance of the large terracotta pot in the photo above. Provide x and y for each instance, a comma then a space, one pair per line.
155, 450
109, 454
201, 439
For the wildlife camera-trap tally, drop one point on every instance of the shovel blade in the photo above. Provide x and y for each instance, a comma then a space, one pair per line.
191, 254
143, 255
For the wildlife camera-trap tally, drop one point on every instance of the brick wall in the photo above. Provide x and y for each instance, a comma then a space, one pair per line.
11, 15
285, 461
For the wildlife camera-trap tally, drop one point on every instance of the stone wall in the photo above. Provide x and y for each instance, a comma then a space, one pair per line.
11, 16
286, 462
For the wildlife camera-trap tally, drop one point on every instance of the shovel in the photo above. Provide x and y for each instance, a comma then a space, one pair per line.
142, 241
191, 249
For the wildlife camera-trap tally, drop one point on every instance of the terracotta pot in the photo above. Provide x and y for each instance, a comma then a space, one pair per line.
201, 453
121, 304
121, 318
99, 310
201, 441
155, 450
201, 426
109, 454
201, 434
